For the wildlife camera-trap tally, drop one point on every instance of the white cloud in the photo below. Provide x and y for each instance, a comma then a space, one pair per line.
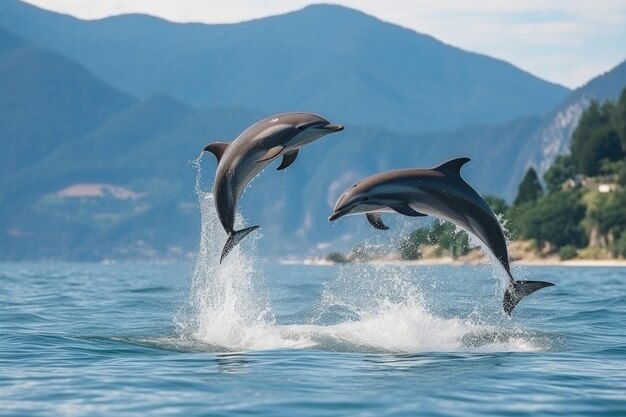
580, 37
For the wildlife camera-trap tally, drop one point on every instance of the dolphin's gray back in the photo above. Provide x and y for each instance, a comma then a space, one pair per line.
238, 165
236, 169
446, 195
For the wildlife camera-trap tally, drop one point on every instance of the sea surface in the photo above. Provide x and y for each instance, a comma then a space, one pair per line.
81, 339
249, 337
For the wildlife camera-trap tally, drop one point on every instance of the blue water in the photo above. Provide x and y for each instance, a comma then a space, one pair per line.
252, 338
104, 340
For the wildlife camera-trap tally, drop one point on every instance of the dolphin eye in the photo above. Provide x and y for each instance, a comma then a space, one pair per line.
366, 198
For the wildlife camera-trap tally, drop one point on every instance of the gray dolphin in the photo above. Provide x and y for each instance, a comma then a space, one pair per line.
440, 192
241, 160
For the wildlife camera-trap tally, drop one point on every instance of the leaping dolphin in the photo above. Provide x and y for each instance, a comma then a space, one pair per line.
439, 192
241, 160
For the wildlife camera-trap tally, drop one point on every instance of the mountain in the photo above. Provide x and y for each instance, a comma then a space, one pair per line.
46, 99
500, 154
124, 190
553, 135
92, 173
327, 59
147, 150
89, 172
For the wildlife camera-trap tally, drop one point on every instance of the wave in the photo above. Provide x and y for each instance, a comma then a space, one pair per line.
368, 309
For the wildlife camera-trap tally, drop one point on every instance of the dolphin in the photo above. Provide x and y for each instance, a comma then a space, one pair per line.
439, 192
239, 161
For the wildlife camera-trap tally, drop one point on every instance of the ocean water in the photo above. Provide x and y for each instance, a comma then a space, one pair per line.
253, 338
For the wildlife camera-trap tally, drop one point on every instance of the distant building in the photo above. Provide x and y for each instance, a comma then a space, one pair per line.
607, 188
98, 190
575, 181
608, 185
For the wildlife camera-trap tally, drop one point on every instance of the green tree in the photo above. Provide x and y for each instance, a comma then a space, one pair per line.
617, 168
567, 252
497, 204
529, 189
619, 249
447, 237
555, 219
561, 170
596, 138
409, 247
610, 215
336, 258
514, 219
619, 119
592, 118
603, 145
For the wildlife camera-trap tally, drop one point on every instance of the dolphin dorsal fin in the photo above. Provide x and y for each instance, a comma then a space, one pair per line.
217, 149
453, 166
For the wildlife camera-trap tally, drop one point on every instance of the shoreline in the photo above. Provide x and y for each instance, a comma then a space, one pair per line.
612, 263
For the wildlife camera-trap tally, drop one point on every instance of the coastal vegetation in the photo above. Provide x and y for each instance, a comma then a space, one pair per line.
576, 211
579, 208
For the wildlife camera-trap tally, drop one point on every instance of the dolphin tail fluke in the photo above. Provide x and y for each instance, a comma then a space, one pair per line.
520, 289
234, 239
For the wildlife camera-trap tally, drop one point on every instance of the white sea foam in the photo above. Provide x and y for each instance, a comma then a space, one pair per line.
228, 306
409, 327
365, 308
381, 309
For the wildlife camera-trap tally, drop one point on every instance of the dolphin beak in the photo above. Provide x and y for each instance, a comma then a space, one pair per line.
337, 214
334, 128
206, 148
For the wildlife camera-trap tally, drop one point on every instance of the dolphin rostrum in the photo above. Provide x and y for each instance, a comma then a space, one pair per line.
439, 192
241, 160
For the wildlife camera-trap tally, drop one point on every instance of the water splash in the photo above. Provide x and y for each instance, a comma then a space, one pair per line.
365, 308
381, 308
228, 306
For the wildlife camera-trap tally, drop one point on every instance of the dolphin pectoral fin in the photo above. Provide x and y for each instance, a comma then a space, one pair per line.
288, 159
519, 290
271, 153
453, 166
404, 208
234, 239
376, 220
217, 149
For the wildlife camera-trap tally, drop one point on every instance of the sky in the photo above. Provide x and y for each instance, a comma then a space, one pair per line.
563, 41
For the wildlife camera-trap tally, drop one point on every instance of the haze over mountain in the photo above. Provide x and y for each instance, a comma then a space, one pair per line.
91, 172
554, 136
328, 59
46, 99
